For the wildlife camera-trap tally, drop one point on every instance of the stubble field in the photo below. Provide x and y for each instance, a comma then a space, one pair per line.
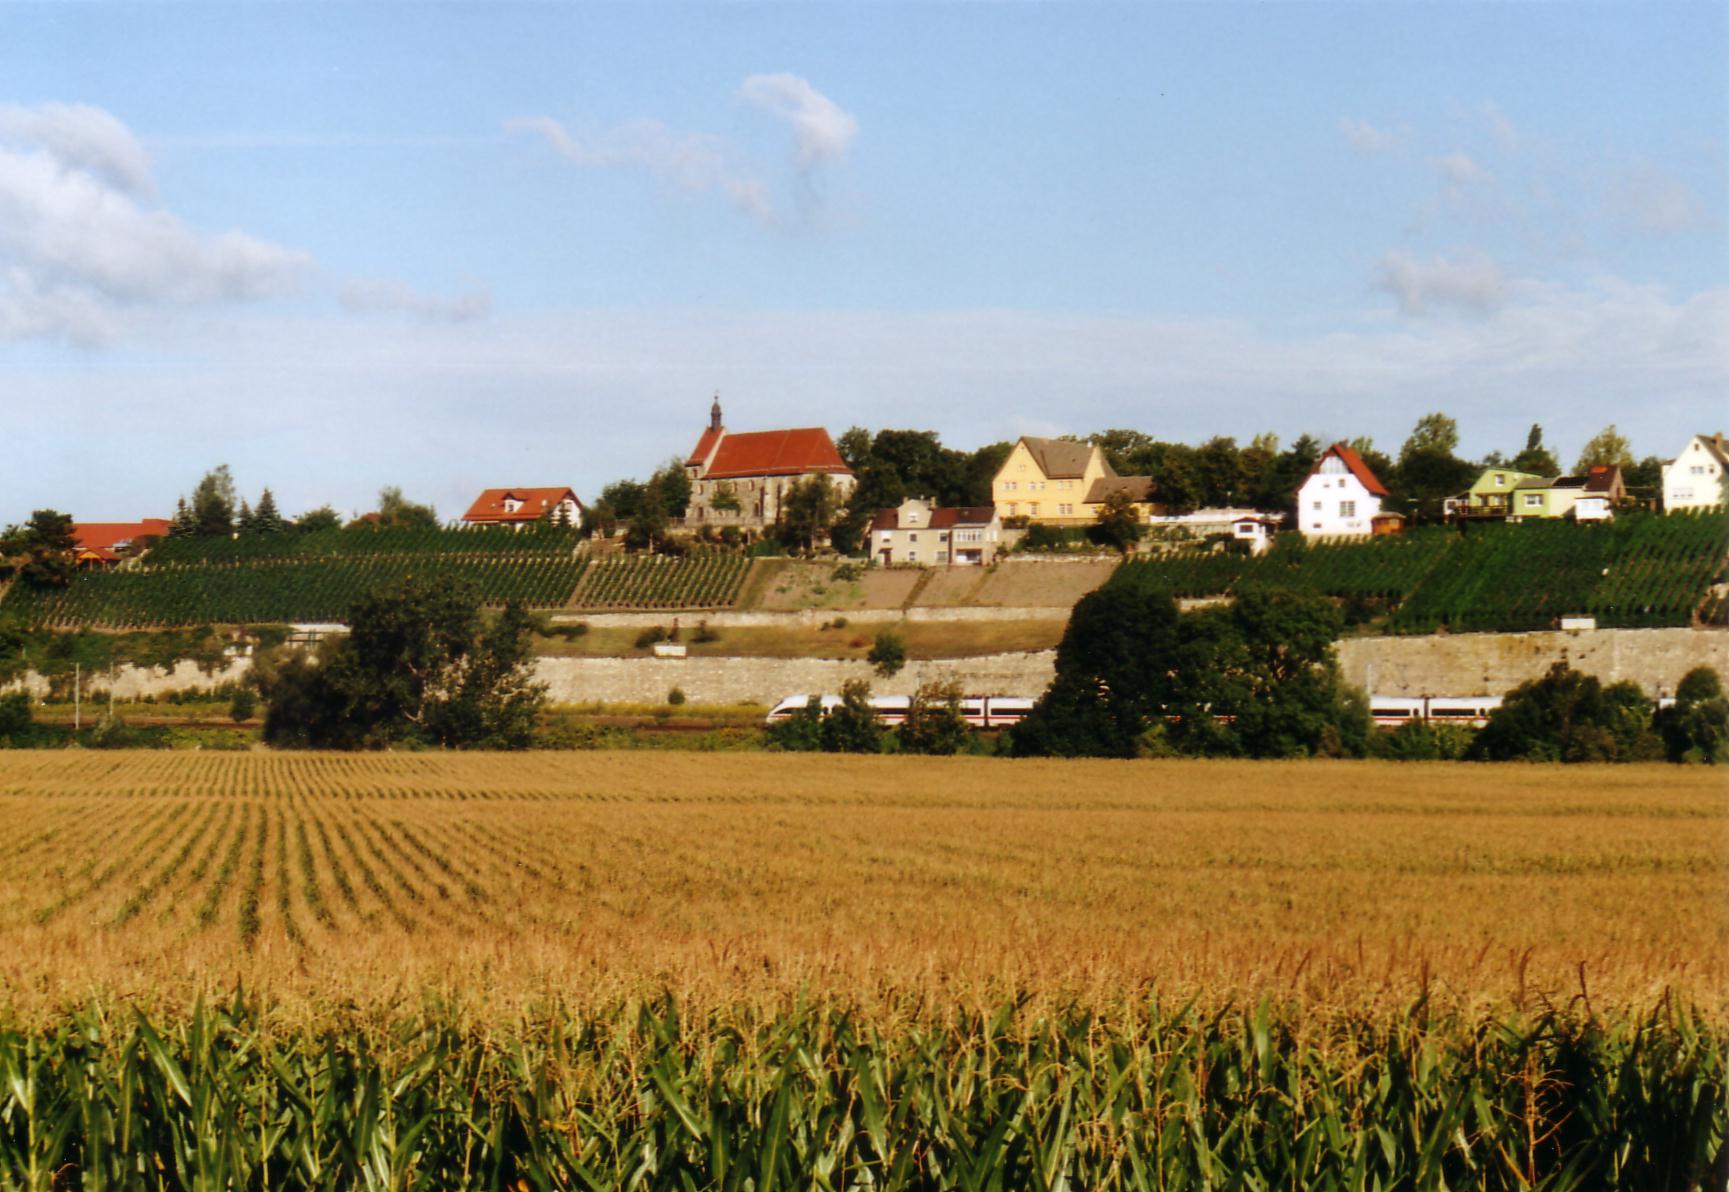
605, 913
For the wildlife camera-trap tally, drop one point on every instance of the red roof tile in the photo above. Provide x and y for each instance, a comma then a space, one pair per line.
704, 445
942, 518
1349, 457
774, 453
536, 502
105, 535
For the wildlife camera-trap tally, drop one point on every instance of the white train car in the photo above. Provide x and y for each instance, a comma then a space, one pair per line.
979, 711
1473, 710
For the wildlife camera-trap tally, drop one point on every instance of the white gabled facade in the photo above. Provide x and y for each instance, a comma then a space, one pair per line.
1698, 478
1341, 496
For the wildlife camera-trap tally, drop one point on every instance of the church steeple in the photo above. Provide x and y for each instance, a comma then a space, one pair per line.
714, 413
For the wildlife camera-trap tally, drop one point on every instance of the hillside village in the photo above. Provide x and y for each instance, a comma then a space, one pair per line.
796, 489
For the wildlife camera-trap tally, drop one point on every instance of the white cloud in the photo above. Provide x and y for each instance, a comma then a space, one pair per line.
693, 163
1367, 139
382, 295
1472, 283
82, 259
83, 137
701, 163
1648, 199
1501, 130
1459, 169
822, 127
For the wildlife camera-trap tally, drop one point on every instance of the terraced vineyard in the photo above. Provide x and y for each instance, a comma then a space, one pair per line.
310, 577
1641, 571
666, 972
699, 580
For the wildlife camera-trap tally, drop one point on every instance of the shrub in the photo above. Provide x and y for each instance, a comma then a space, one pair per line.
650, 636
1696, 729
854, 726
801, 732
704, 633
888, 654
15, 715
934, 723
1567, 716
675, 697
242, 706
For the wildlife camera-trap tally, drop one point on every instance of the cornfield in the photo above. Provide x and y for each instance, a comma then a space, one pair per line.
612, 970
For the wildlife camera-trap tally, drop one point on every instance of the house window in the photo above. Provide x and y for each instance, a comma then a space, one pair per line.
1032, 508
1317, 506
1347, 509
912, 556
942, 556
943, 537
1014, 508
1698, 469
1008, 486
1533, 500
1500, 480
912, 537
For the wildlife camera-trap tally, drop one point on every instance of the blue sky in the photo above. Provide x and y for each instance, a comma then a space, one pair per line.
445, 246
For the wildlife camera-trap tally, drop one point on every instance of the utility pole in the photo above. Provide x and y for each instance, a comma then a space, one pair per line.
110, 691
77, 697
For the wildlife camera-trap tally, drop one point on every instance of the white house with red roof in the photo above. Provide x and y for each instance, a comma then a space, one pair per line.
520, 507
917, 531
1341, 497
741, 479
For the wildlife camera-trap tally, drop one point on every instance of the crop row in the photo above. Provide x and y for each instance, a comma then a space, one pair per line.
1246, 1098
705, 579
309, 589
348, 542
1640, 571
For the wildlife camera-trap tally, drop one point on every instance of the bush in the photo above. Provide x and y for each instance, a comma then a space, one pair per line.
888, 654
1696, 728
801, 732
675, 697
1567, 716
934, 723
854, 726
242, 706
16, 719
650, 636
1423, 741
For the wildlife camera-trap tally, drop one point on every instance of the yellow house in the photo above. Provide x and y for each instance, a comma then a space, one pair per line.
1049, 480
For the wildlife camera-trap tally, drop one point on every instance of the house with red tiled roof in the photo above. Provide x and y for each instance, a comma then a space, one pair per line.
741, 478
917, 531
520, 507
103, 544
1342, 496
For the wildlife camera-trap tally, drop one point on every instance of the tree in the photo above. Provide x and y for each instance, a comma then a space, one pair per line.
16, 719
1568, 716
183, 524
647, 528
1696, 728
888, 653
1112, 677
41, 549
801, 732
1608, 446
672, 483
1428, 471
398, 512
212, 504
1434, 433
418, 665
1118, 524
244, 523
725, 497
934, 722
313, 520
1536, 459
266, 519
854, 726
807, 511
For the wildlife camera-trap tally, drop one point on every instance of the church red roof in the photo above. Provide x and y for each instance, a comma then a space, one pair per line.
771, 453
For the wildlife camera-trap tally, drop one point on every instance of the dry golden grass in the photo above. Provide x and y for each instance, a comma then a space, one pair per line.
506, 880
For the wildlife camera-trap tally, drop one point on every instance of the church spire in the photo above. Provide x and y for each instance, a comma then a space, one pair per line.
714, 413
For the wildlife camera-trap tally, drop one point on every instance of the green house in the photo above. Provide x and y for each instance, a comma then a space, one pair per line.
1538, 498
1492, 494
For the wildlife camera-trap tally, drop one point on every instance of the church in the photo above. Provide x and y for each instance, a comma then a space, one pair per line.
741, 479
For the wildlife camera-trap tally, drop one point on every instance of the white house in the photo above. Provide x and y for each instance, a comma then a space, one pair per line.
918, 532
1699, 477
519, 507
1340, 497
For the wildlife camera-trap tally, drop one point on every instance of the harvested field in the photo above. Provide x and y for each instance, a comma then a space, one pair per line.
728, 878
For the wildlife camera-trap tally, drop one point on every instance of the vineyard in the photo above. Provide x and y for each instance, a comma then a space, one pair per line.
699, 580
675, 972
1641, 571
309, 577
